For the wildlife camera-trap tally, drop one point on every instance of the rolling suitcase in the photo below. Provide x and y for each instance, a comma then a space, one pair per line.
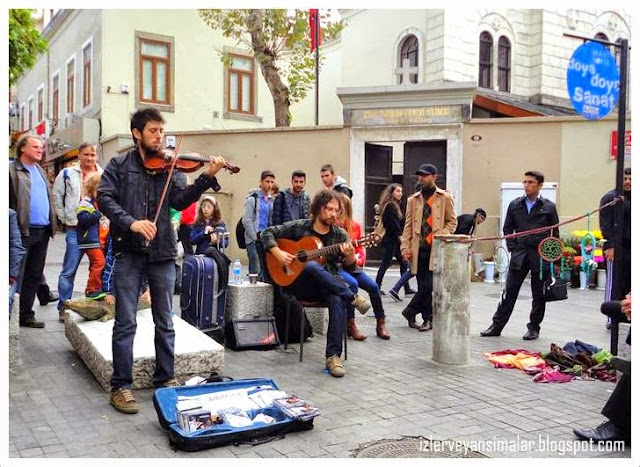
202, 299
165, 402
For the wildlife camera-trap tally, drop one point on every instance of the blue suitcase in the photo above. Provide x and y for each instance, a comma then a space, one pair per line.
165, 399
202, 301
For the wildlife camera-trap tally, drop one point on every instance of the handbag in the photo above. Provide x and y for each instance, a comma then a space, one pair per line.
555, 289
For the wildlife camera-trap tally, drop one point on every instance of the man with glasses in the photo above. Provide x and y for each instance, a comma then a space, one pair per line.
527, 212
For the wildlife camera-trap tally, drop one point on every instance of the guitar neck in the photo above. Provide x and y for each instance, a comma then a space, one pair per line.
335, 248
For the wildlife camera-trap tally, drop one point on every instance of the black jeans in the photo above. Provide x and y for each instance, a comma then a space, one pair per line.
389, 251
36, 245
422, 303
515, 278
129, 270
317, 284
618, 407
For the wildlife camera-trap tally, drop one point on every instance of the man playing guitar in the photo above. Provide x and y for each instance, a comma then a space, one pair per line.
317, 282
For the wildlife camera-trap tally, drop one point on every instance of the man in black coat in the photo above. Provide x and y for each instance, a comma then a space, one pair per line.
608, 228
467, 223
130, 196
525, 213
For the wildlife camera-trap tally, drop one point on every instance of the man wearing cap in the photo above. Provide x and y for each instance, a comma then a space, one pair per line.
429, 212
467, 223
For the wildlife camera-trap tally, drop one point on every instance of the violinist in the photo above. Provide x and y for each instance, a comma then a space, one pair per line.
136, 199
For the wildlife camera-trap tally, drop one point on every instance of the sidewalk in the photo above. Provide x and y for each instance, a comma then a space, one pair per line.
392, 389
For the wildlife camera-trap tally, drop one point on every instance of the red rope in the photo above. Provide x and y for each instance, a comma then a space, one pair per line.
616, 200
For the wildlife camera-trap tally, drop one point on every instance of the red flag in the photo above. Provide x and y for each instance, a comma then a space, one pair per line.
314, 24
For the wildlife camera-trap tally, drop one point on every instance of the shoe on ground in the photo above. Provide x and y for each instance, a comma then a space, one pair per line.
96, 295
171, 383
606, 431
608, 325
62, 316
122, 399
53, 296
530, 335
381, 329
410, 292
353, 331
426, 326
335, 366
362, 304
410, 319
32, 323
491, 331
393, 294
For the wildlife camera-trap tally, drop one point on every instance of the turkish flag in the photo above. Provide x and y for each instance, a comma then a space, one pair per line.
314, 24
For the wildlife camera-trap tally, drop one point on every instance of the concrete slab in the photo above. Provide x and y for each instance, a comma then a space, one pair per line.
195, 352
14, 333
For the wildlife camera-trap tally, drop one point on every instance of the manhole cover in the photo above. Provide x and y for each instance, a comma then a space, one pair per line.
414, 447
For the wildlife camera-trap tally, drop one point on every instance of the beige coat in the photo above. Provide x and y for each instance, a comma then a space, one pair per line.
443, 218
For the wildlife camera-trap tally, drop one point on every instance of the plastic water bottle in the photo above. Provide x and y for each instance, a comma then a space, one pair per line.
237, 272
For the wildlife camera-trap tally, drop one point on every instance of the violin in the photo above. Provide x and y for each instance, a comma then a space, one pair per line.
189, 162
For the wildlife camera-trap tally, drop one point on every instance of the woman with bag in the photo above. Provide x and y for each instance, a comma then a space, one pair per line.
390, 225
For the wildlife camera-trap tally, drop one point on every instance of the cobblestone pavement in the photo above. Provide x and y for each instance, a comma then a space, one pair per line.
392, 389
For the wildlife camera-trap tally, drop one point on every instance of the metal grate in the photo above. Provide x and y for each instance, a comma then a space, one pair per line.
413, 447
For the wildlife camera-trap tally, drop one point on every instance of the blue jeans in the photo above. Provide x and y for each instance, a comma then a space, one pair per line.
315, 283
403, 281
360, 279
70, 263
254, 258
13, 288
129, 270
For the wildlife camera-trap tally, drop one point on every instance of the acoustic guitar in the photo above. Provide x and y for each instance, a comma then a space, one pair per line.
307, 249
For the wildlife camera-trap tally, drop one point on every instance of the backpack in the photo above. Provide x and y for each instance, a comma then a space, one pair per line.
379, 229
240, 230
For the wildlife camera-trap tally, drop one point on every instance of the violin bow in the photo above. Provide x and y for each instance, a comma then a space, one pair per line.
166, 185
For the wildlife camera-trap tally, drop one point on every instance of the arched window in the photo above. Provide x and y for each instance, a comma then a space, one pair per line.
504, 64
486, 60
407, 70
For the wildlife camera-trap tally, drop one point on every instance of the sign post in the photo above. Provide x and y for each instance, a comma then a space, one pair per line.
595, 85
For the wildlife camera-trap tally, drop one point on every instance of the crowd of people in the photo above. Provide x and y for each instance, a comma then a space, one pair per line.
121, 219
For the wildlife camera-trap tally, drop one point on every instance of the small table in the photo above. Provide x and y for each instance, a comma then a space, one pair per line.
249, 300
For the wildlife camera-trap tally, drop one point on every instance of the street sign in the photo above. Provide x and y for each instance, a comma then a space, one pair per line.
614, 144
593, 80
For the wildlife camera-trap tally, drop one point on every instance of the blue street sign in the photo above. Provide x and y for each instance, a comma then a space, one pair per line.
593, 80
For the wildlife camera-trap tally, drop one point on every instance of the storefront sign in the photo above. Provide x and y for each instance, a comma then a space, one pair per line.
405, 116
593, 80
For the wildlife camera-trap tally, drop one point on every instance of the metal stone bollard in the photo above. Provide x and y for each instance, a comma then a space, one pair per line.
451, 316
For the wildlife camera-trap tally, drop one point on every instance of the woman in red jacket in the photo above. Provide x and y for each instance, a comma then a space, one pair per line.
359, 278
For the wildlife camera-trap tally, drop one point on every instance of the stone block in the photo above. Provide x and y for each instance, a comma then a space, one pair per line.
195, 352
14, 332
248, 300
318, 318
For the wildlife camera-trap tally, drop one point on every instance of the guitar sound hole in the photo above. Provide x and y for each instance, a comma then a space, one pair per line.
302, 256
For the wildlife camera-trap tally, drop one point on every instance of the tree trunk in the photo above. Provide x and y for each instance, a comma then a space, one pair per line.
265, 57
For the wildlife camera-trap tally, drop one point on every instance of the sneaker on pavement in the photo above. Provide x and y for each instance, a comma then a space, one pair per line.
410, 292
426, 326
62, 316
96, 295
122, 399
393, 294
362, 304
411, 320
335, 366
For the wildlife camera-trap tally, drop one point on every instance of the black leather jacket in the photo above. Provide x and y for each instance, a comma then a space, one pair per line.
543, 214
128, 192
